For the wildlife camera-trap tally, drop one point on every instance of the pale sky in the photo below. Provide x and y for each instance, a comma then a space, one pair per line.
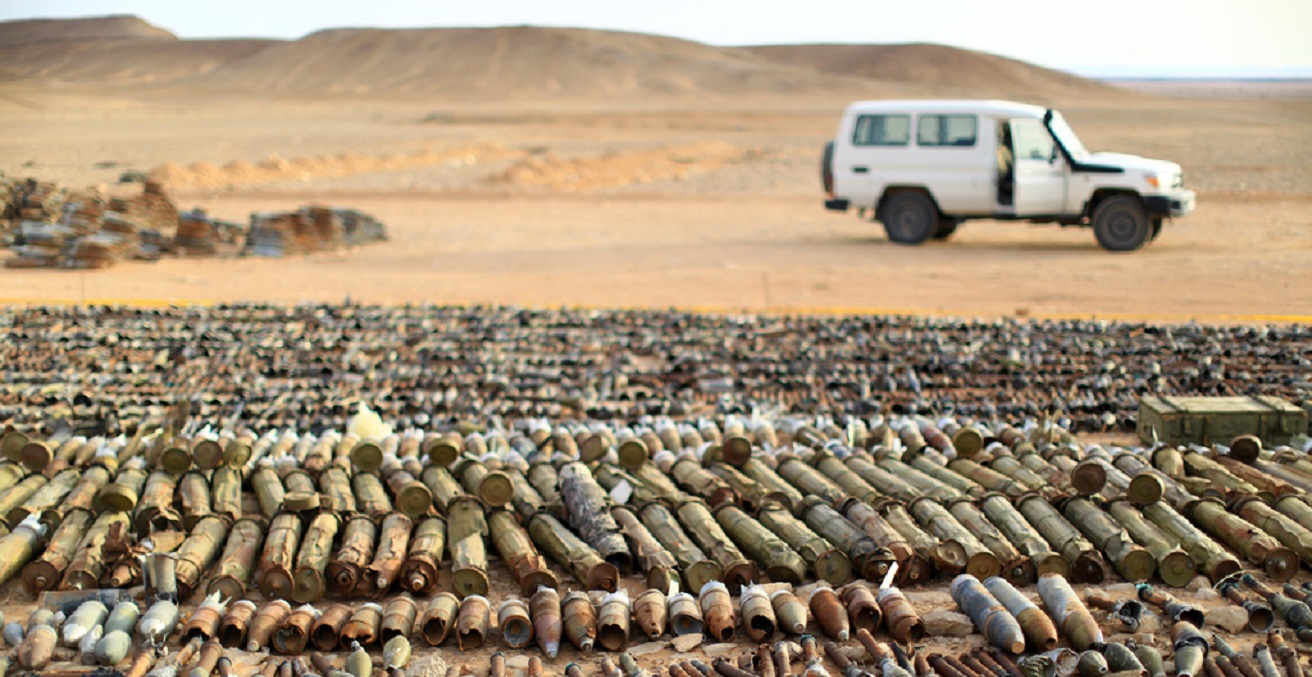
1098, 37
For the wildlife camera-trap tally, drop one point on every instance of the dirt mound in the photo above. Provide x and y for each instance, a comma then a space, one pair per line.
671, 163
979, 73
120, 27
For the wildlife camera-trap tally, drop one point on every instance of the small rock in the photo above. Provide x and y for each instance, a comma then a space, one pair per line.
720, 649
1149, 623
1198, 583
1230, 618
646, 648
429, 665
1207, 595
944, 623
517, 662
686, 643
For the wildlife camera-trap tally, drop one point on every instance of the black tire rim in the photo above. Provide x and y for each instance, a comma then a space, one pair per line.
1122, 227
908, 221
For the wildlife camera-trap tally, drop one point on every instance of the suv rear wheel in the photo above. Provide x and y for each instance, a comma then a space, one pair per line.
1121, 223
909, 217
946, 227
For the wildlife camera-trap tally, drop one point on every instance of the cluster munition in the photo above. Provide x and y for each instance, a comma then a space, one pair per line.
289, 515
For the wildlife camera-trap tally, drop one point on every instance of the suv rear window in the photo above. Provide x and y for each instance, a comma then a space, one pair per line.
946, 130
882, 130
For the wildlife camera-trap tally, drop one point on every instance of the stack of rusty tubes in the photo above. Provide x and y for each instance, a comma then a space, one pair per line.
358, 541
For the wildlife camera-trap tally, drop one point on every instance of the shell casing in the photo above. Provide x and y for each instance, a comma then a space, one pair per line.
260, 629
438, 618
544, 607
572, 553
1040, 634
685, 614
613, 621
718, 614
233, 574
363, 625
419, 572
393, 541
758, 613
326, 632
355, 552
516, 625
1069, 614
900, 617
472, 622
399, 616
829, 614
579, 620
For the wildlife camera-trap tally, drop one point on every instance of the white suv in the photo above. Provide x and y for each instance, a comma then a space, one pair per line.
923, 167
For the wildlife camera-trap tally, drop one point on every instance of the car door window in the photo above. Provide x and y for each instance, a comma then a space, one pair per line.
1032, 141
946, 130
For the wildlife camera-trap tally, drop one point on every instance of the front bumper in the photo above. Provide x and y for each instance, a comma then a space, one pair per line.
1176, 203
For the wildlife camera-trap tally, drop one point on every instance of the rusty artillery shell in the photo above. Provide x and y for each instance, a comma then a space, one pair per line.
946, 556
293, 635
326, 632
370, 496
492, 486
393, 541
194, 493
353, 555
232, 630
363, 625
900, 617
1016, 567
862, 609
1069, 614
692, 477
398, 618
516, 626
260, 629
544, 607
206, 621
650, 556
586, 505
37, 649
649, 612
233, 574
1296, 612
1087, 565
571, 552
1287, 531
702, 526
829, 613
207, 659
613, 621
225, 493
45, 572
1040, 634
781, 563
991, 618
758, 613
912, 567
696, 568
420, 570
438, 618
472, 622
198, 552
466, 529
685, 615
515, 546
1214, 561
980, 561
718, 615
869, 559
1279, 562
1260, 616
1004, 515
1132, 561
274, 571
579, 620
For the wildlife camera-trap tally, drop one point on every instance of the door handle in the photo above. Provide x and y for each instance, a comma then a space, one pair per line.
860, 170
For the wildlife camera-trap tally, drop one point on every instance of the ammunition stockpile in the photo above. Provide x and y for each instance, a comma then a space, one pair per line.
380, 484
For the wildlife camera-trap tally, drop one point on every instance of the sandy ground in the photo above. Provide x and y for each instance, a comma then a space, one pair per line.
658, 204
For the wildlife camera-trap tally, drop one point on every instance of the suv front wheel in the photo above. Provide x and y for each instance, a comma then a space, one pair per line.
909, 218
1121, 223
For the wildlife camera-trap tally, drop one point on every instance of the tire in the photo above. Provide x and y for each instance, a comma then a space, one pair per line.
1157, 228
1121, 224
827, 168
946, 227
909, 217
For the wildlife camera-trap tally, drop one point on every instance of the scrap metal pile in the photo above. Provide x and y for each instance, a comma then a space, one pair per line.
212, 483
311, 229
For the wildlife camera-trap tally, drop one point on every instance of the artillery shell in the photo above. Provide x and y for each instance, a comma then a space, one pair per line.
398, 618
1150, 658
86, 647
17, 547
544, 607
274, 573
515, 546
293, 635
516, 627
362, 627
158, 622
758, 613
648, 552
585, 502
862, 608
326, 632
472, 622
685, 615
396, 653
790, 613
717, 611
1174, 608
237, 562
613, 621
438, 618
1068, 612
572, 553
1087, 566
205, 621
38, 648
649, 610
308, 579
359, 664
696, 568
466, 530
260, 629
13, 634
88, 615
900, 617
1040, 634
989, 615
579, 619
419, 572
207, 659
829, 613
829, 564
1121, 659
195, 555
45, 572
1092, 664
232, 630
492, 486
353, 555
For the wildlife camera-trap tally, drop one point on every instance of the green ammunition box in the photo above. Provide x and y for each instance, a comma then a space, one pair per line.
1210, 420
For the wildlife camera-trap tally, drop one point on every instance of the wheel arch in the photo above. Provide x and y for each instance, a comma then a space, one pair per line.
1102, 194
892, 190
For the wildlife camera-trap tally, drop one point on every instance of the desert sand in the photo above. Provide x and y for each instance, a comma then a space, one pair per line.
559, 167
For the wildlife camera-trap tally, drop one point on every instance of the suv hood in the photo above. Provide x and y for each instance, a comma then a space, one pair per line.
1132, 163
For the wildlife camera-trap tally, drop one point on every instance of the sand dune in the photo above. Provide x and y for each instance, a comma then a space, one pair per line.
502, 63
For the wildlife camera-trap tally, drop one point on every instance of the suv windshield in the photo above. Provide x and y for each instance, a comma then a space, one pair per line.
1065, 135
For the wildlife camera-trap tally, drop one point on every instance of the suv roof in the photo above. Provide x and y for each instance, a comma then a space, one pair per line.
980, 106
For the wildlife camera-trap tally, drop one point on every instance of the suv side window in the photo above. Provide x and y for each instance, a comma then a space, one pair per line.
947, 130
1032, 140
882, 130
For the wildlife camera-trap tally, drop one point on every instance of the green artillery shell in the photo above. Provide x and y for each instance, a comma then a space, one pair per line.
89, 562
443, 485
1131, 560
370, 496
751, 492
1202, 466
158, 622
1016, 567
1190, 650
781, 563
194, 494
335, 484
45, 572
122, 493
651, 557
492, 486
1087, 566
700, 525
697, 480
1040, 634
657, 483
924, 484
113, 647
46, 501
1214, 561
545, 479
571, 552
1279, 562
472, 622
1289, 532
466, 529
197, 553
1016, 471
83, 494
912, 567
396, 653
237, 451
850, 482
516, 549
884, 481
419, 572
526, 500
696, 567
1151, 659
225, 493
865, 555
1174, 566
268, 490
393, 542
828, 563
438, 618
233, 574
901, 619
88, 615
811, 481
790, 614
309, 582
1068, 612
586, 505
946, 556
444, 449
961, 483
1091, 664
772, 482
274, 571
17, 548
986, 477
1027, 539
367, 455
326, 632
980, 561
991, 618
353, 555
411, 496
15, 496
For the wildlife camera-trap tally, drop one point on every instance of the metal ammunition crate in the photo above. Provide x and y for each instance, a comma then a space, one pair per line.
1210, 420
